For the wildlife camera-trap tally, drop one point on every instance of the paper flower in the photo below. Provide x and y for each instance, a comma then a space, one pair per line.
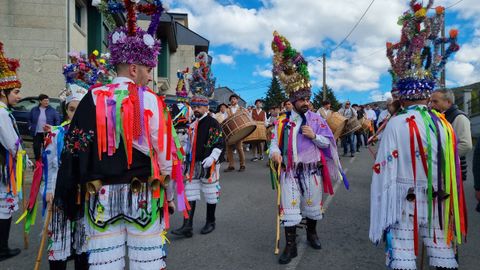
148, 40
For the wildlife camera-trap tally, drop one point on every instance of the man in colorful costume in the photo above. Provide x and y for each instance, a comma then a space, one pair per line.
304, 146
118, 150
206, 152
416, 188
12, 153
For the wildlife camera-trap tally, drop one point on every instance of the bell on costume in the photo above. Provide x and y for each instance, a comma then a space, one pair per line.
94, 186
411, 194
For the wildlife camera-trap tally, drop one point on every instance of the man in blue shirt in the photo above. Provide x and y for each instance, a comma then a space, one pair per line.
40, 117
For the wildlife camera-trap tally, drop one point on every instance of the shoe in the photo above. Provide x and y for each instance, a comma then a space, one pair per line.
229, 169
352, 155
261, 158
247, 149
254, 159
358, 150
210, 224
208, 228
235, 152
242, 168
312, 236
5, 251
187, 228
290, 250
8, 253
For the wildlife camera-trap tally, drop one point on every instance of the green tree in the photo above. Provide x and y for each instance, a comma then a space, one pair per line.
318, 99
275, 94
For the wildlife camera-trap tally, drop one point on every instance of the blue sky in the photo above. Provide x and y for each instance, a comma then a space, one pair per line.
240, 33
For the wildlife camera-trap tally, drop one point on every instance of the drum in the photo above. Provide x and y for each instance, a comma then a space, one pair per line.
352, 125
259, 135
238, 127
337, 123
270, 132
366, 124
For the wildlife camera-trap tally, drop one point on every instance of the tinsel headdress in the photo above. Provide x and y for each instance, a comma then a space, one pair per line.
417, 59
8, 71
84, 72
290, 68
130, 44
181, 90
202, 82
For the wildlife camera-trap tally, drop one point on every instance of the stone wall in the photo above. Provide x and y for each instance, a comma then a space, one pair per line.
34, 31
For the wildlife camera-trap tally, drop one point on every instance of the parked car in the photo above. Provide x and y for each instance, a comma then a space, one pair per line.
21, 112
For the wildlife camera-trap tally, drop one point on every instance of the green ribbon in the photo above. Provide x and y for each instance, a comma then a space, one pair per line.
429, 124
119, 96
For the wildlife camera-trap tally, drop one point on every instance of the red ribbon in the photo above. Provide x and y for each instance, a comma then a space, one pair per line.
127, 109
194, 149
101, 118
327, 181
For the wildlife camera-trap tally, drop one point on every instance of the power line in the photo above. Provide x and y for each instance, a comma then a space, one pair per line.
454, 4
354, 27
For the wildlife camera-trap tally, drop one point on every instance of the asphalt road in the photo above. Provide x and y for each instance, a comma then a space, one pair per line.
245, 233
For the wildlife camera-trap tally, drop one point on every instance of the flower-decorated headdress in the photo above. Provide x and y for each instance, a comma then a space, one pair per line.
202, 82
417, 59
130, 44
8, 71
85, 72
290, 68
181, 90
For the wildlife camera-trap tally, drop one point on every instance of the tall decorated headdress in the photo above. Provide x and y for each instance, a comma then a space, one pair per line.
290, 68
130, 44
181, 90
416, 60
202, 82
83, 73
8, 71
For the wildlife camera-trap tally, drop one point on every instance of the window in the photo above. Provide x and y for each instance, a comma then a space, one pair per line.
164, 60
78, 14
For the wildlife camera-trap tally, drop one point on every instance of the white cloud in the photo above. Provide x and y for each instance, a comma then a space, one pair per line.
225, 59
263, 72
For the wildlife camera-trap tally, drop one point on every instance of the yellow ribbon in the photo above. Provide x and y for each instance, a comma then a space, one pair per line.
163, 234
19, 170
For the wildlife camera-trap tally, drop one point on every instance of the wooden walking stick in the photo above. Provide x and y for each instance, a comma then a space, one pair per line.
423, 256
44, 237
277, 240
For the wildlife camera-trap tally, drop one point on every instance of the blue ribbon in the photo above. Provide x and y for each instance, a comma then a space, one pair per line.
45, 179
388, 246
60, 138
345, 180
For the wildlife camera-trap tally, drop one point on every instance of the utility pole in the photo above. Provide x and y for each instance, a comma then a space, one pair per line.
324, 61
442, 75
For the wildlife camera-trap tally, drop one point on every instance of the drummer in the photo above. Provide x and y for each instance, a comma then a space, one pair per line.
233, 109
259, 115
325, 111
222, 114
348, 140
